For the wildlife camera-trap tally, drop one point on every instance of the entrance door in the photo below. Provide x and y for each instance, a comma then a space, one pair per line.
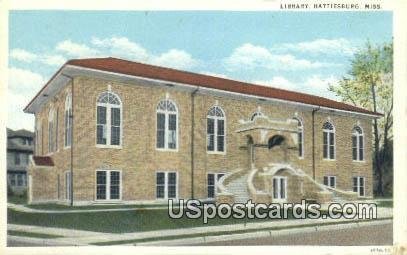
279, 188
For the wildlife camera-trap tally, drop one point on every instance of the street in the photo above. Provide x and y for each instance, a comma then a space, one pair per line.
366, 235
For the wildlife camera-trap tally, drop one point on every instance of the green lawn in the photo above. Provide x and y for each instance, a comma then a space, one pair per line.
385, 204
54, 206
116, 222
17, 199
30, 234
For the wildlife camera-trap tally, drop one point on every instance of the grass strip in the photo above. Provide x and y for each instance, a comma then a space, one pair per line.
219, 233
31, 234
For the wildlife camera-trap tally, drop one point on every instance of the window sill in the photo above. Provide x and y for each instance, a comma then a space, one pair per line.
100, 146
103, 201
359, 161
67, 147
166, 150
328, 159
216, 152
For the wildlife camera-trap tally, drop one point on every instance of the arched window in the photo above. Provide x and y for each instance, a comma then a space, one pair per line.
255, 115
167, 125
215, 130
357, 144
300, 138
109, 119
68, 120
51, 126
328, 141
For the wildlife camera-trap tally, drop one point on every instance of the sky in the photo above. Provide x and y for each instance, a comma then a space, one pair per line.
300, 51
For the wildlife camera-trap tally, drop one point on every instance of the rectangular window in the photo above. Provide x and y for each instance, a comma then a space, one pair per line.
19, 180
325, 144
328, 145
213, 180
101, 125
279, 188
108, 185
160, 185
300, 149
331, 146
12, 179
359, 185
160, 130
354, 148
166, 185
17, 158
361, 148
210, 127
330, 181
172, 131
221, 135
115, 126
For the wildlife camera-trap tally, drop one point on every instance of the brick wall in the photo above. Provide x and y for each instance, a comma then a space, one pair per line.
139, 160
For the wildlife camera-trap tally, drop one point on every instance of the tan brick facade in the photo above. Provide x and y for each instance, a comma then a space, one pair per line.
139, 160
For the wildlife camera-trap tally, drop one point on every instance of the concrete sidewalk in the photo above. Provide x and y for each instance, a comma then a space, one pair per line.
80, 237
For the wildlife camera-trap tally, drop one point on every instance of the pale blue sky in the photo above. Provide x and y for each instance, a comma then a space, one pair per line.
302, 51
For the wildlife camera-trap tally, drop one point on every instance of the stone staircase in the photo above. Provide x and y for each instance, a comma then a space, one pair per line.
238, 187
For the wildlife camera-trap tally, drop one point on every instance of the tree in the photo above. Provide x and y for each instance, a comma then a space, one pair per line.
369, 84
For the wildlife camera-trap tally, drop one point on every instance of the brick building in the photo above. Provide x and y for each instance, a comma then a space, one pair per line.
111, 130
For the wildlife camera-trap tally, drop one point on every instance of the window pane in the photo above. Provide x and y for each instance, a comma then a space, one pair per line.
115, 136
172, 139
160, 178
160, 130
325, 138
211, 191
211, 179
210, 142
101, 115
19, 180
114, 185
326, 180
332, 152
325, 151
172, 178
101, 185
172, 191
101, 134
355, 184
221, 128
115, 116
221, 142
331, 138
282, 187
160, 191
101, 177
275, 188
12, 179
361, 156
300, 144
210, 126
172, 124
332, 182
